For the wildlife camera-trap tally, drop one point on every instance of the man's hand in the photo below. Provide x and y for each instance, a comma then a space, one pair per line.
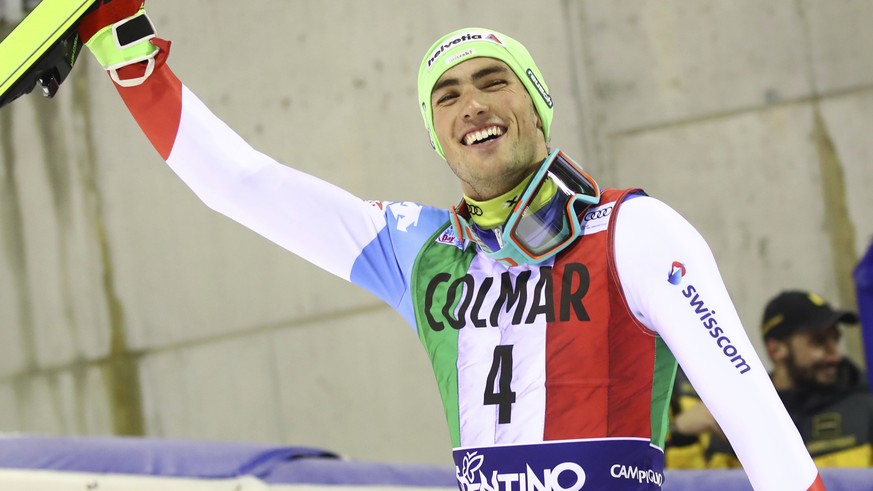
119, 34
105, 13
695, 421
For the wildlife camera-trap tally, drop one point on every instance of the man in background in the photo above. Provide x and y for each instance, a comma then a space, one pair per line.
823, 391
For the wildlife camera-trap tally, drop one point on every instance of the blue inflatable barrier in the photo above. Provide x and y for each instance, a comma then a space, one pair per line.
67, 464
864, 291
208, 460
736, 480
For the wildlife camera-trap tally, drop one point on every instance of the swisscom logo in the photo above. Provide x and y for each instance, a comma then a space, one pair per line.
705, 314
677, 272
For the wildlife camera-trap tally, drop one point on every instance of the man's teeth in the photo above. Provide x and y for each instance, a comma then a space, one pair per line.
480, 135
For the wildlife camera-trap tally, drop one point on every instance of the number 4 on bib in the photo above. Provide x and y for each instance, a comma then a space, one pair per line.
501, 377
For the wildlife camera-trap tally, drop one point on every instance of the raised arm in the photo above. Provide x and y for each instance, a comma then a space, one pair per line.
361, 241
673, 286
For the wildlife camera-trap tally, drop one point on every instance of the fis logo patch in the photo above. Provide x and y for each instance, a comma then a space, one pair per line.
405, 213
677, 272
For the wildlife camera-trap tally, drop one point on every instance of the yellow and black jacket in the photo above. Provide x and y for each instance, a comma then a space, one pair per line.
684, 451
836, 425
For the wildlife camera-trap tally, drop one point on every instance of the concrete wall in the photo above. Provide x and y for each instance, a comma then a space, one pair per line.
128, 307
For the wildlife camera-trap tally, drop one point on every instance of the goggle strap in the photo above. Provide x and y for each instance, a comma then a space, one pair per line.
590, 180
456, 224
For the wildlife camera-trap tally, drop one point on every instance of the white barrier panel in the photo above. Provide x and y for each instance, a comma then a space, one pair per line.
19, 480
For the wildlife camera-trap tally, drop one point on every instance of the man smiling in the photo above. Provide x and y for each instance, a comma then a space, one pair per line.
488, 127
822, 389
553, 312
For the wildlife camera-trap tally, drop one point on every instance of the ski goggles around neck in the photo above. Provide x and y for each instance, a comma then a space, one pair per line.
532, 235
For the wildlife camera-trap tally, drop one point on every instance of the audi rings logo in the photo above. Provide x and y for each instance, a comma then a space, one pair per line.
474, 210
598, 213
596, 220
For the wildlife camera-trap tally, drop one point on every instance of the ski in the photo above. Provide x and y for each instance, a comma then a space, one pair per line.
42, 49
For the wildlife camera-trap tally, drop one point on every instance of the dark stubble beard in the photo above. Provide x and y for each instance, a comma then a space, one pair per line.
804, 377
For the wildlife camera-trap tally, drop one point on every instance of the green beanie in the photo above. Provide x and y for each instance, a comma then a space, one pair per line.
474, 42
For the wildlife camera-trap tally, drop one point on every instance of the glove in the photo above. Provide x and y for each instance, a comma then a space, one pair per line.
119, 34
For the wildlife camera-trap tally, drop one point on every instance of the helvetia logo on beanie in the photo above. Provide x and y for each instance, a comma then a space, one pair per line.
460, 39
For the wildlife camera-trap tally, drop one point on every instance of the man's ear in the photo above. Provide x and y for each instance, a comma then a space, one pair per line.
777, 350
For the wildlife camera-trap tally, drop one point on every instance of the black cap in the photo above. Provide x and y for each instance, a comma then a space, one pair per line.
793, 311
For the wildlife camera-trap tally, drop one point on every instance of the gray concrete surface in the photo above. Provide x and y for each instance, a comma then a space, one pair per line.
126, 306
